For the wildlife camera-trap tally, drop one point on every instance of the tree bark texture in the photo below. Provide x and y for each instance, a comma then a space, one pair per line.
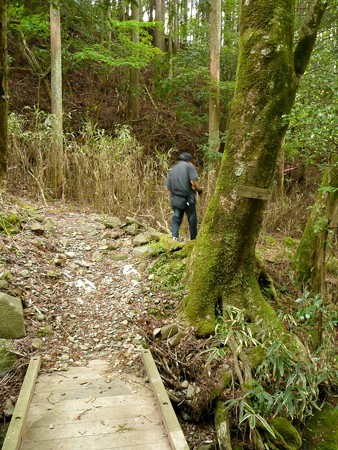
215, 50
3, 87
309, 254
159, 33
222, 266
134, 91
56, 176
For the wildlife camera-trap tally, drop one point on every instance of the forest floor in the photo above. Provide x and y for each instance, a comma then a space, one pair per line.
89, 293
86, 293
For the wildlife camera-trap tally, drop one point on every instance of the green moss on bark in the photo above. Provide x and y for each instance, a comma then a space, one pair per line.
222, 265
305, 256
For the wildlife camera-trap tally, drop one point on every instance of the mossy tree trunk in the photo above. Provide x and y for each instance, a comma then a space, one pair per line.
3, 86
309, 261
222, 265
214, 95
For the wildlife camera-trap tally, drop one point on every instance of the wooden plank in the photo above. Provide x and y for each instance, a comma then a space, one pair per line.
253, 192
75, 404
46, 430
56, 396
92, 412
58, 385
81, 409
96, 443
16, 426
175, 433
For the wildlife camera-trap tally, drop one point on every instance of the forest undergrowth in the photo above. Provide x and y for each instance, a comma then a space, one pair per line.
113, 174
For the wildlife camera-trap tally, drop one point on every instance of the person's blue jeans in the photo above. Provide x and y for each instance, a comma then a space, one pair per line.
190, 211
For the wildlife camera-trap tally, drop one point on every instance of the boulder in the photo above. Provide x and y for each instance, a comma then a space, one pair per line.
169, 330
112, 222
132, 229
7, 357
146, 237
12, 324
141, 239
287, 437
176, 339
4, 285
149, 250
321, 432
37, 228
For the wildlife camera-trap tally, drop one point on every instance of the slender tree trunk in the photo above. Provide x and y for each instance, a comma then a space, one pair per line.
151, 10
222, 265
215, 50
110, 16
122, 10
279, 189
56, 99
176, 30
3, 87
184, 22
309, 261
159, 36
134, 92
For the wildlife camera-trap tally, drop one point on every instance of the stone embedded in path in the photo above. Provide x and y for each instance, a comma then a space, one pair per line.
11, 317
146, 237
7, 357
4, 285
132, 229
112, 222
169, 330
147, 250
37, 228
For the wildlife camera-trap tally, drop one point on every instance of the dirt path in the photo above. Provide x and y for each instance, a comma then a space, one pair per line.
85, 291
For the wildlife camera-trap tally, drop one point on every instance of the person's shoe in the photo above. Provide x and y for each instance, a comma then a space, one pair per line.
175, 239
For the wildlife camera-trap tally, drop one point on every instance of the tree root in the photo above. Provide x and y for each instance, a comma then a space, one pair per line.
222, 426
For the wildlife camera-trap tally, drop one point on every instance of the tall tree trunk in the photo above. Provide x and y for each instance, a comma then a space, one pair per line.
57, 156
3, 87
309, 261
134, 91
159, 34
176, 45
222, 265
183, 6
215, 50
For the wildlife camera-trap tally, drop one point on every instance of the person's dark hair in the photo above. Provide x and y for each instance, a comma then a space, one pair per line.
185, 156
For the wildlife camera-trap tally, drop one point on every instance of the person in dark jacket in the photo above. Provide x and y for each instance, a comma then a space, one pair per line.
183, 185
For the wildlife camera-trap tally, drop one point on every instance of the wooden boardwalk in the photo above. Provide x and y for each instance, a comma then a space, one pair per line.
92, 408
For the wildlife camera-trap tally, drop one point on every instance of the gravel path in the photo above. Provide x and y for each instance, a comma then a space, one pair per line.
85, 290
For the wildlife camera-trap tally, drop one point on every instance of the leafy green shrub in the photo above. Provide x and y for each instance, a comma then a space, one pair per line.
283, 384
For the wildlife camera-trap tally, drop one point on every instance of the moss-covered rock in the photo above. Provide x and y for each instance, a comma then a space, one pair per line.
11, 317
322, 430
287, 437
7, 357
